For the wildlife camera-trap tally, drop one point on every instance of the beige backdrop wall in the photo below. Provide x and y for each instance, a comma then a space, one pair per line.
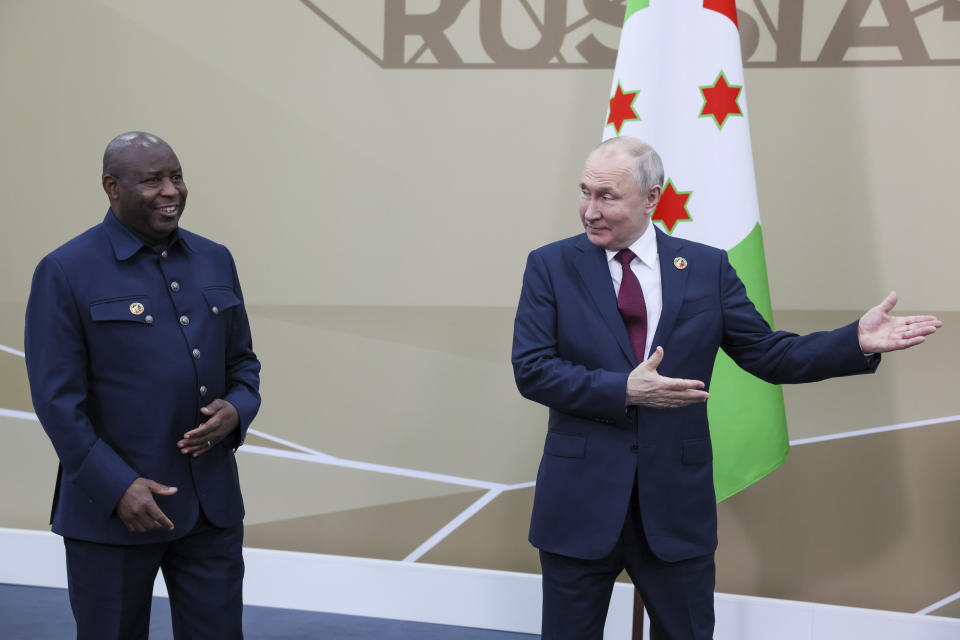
380, 171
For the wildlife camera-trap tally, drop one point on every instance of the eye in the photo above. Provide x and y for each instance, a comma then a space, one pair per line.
177, 178
607, 197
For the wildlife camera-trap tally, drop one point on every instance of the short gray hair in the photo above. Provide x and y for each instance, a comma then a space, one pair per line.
649, 170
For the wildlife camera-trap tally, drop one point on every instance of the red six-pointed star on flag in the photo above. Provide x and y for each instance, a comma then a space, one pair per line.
621, 108
720, 100
672, 207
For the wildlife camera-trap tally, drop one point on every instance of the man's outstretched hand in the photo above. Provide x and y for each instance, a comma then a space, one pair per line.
648, 388
880, 332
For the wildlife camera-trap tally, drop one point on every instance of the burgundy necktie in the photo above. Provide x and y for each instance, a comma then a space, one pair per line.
632, 306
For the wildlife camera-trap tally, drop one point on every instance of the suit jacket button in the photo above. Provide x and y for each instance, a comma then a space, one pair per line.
634, 448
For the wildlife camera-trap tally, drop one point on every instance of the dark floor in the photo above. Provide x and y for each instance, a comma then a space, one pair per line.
39, 613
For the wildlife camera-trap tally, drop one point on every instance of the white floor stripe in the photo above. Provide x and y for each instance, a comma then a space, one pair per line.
373, 467
941, 603
288, 443
12, 350
866, 432
22, 415
280, 453
451, 526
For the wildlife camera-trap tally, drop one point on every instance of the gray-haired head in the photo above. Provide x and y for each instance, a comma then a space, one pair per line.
648, 172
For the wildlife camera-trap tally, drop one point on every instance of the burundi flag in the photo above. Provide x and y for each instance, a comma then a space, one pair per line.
678, 84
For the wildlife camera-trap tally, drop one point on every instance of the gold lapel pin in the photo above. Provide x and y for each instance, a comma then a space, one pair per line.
680, 263
136, 308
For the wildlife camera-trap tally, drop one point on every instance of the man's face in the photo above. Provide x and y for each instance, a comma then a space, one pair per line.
147, 192
612, 209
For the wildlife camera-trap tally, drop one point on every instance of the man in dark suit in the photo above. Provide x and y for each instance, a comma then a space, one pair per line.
616, 332
143, 375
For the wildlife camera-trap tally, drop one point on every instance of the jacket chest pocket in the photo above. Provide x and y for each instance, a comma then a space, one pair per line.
220, 299
690, 308
136, 309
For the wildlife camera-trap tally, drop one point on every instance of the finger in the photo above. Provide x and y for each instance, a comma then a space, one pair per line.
209, 444
199, 434
212, 408
654, 360
194, 447
160, 519
162, 489
690, 397
683, 401
680, 384
911, 342
919, 330
931, 325
889, 302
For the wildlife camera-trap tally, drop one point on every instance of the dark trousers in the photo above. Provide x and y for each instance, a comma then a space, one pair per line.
110, 586
678, 595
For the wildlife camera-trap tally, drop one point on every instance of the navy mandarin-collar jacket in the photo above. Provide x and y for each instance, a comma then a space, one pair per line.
124, 344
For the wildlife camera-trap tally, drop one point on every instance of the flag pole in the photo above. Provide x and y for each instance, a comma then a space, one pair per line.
637, 615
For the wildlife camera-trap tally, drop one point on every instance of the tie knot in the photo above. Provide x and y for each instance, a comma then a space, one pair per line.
624, 256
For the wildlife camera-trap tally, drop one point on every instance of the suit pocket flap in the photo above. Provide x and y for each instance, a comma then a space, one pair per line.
125, 309
220, 298
698, 305
565, 445
697, 451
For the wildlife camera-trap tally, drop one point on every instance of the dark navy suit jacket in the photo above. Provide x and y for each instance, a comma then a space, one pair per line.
572, 353
123, 346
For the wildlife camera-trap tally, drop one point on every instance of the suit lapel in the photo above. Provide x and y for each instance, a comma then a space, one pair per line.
673, 282
591, 263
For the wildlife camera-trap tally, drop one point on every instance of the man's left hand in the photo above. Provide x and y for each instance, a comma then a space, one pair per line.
222, 420
880, 332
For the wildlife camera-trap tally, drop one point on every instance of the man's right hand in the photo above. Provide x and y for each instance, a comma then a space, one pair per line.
648, 388
139, 511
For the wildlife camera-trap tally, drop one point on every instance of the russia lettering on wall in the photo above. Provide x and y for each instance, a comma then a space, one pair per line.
583, 34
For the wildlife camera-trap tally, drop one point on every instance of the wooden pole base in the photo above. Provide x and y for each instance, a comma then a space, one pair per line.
637, 616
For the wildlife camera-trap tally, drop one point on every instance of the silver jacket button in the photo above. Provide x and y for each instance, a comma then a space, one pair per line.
184, 320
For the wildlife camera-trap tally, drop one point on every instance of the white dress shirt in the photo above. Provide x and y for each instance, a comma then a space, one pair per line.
646, 266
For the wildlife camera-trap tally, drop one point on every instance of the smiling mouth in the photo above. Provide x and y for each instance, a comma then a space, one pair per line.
169, 209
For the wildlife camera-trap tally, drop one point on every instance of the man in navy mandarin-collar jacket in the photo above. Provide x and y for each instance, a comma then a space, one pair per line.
626, 477
143, 375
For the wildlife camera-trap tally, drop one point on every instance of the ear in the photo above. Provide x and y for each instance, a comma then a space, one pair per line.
111, 187
653, 198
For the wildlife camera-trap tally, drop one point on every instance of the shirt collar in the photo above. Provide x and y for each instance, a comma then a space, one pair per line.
125, 243
645, 247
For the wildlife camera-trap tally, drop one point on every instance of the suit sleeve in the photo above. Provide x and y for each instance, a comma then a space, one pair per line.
781, 357
542, 375
56, 357
243, 367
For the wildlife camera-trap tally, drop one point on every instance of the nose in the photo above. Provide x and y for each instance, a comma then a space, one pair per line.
167, 188
592, 210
